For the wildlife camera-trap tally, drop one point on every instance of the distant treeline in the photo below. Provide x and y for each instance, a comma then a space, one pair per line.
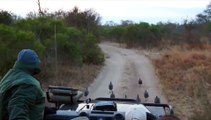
143, 34
72, 36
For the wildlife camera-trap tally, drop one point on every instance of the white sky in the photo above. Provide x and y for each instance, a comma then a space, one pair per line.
151, 11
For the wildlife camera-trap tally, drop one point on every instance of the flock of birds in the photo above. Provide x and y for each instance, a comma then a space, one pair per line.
112, 95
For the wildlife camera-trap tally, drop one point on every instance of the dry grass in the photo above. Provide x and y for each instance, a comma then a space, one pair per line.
185, 74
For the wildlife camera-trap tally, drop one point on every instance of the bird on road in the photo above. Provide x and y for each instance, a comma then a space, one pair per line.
146, 95
125, 96
140, 81
86, 92
110, 86
157, 99
112, 95
138, 98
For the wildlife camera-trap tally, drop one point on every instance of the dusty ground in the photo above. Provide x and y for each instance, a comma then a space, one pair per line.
123, 67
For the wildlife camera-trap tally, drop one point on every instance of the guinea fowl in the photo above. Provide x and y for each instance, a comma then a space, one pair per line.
125, 96
86, 92
157, 99
138, 98
146, 95
110, 86
112, 95
139, 81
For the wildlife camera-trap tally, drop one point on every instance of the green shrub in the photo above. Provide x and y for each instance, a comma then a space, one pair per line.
11, 42
92, 54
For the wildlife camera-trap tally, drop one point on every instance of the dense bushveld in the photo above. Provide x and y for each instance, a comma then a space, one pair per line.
64, 44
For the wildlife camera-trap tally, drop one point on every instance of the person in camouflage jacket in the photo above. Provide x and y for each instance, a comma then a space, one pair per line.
21, 96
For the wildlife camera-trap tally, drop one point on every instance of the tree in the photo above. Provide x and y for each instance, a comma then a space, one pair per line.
117, 33
189, 26
110, 23
87, 21
126, 22
41, 13
204, 17
204, 21
201, 18
6, 17
11, 42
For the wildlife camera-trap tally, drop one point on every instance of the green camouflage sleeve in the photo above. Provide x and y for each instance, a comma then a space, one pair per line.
23, 96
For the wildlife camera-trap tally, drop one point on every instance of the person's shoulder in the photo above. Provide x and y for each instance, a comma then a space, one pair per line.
15, 77
24, 78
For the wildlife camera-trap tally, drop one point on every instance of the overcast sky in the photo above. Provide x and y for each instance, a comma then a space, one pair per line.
151, 11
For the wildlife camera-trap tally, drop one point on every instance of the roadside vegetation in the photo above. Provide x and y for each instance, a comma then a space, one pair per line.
183, 66
67, 42
185, 74
67, 47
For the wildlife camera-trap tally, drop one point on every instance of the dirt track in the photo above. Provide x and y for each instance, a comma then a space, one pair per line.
123, 67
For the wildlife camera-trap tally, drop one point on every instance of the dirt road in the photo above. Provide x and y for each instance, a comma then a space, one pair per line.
123, 67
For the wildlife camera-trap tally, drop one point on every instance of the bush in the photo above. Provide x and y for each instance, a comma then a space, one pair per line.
73, 46
6, 17
92, 54
68, 48
11, 42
